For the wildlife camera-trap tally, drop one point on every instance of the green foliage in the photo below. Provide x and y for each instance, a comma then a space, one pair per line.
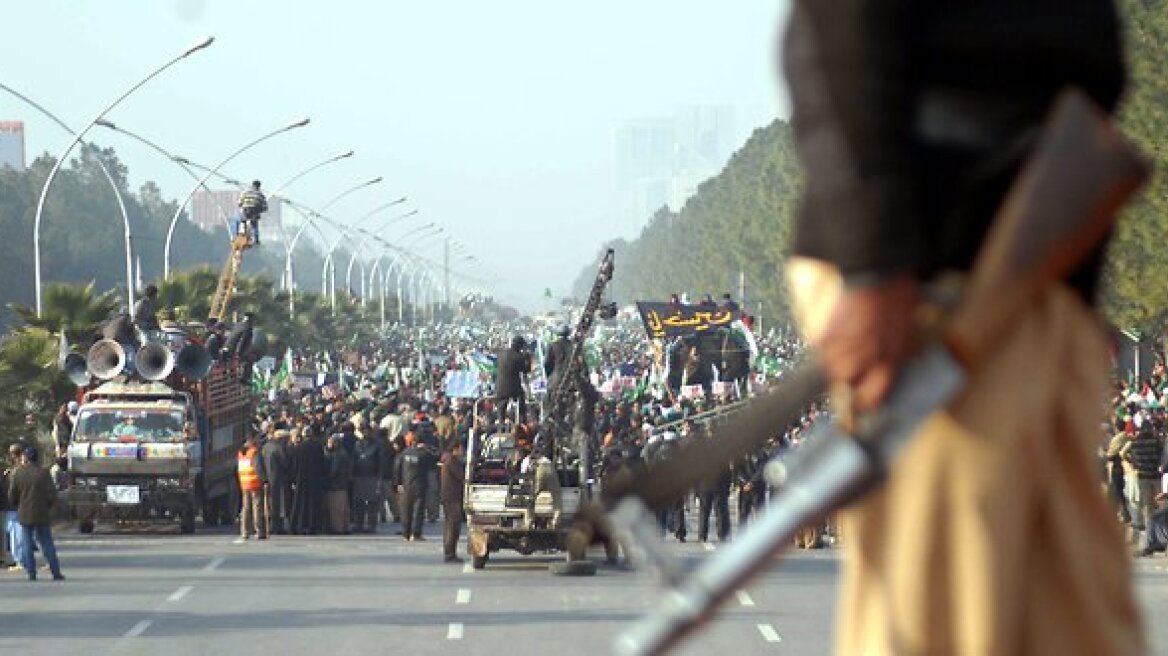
737, 221
741, 218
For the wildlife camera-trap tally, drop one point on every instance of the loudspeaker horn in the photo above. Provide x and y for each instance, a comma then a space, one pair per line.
75, 369
106, 359
193, 362
154, 361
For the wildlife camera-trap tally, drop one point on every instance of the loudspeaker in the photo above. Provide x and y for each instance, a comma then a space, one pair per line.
106, 359
193, 362
155, 361
75, 369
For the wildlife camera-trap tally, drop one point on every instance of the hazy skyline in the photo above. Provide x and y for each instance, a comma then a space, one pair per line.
496, 119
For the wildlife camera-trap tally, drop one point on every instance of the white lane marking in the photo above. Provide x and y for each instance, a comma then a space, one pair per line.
214, 564
454, 631
467, 568
463, 596
138, 629
744, 598
177, 595
769, 634
709, 546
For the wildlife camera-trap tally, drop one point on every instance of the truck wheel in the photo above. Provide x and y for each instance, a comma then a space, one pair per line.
186, 516
85, 526
478, 562
573, 568
611, 551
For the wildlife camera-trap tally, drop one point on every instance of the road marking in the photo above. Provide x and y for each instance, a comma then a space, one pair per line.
177, 595
709, 546
744, 598
138, 629
454, 631
467, 568
214, 564
463, 596
769, 634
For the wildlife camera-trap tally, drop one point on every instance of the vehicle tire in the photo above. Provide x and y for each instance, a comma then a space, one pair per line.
85, 526
611, 551
210, 512
573, 568
186, 520
478, 562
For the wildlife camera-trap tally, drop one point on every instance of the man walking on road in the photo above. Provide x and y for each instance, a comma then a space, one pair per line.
32, 493
453, 475
279, 488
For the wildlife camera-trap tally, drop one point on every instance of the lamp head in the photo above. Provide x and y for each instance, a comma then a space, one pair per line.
199, 46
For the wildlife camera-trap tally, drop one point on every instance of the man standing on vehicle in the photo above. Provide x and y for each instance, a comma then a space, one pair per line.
513, 363
253, 203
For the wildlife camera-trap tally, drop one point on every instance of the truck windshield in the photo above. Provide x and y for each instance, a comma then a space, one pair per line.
128, 425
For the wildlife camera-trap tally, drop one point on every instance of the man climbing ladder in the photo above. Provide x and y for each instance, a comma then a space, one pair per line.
253, 203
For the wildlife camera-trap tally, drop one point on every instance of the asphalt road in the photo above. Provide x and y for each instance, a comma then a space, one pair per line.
149, 593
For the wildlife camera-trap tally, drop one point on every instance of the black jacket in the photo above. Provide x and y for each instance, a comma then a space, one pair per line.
413, 466
908, 117
340, 470
511, 366
274, 454
368, 458
239, 339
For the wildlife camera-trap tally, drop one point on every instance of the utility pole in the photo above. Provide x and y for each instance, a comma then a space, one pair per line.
445, 273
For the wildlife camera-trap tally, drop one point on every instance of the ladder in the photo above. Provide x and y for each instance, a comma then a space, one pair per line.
226, 286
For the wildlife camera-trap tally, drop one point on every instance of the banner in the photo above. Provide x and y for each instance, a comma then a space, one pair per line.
461, 384
664, 320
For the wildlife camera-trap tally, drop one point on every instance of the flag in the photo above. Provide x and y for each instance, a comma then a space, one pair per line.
280, 379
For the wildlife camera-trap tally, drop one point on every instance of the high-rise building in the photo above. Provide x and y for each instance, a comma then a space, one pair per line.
12, 144
661, 161
209, 211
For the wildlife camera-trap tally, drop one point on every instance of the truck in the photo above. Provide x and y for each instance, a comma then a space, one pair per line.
153, 451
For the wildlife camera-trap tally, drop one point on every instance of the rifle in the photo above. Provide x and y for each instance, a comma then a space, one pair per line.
1060, 208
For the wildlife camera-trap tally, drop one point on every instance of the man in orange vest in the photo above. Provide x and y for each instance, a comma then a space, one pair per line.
250, 469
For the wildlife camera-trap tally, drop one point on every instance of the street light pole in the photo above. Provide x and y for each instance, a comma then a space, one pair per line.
36, 225
178, 211
181, 162
109, 178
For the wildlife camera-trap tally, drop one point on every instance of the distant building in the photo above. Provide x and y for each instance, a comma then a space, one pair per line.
209, 209
12, 144
661, 161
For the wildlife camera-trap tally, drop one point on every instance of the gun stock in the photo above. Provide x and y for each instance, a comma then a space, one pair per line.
1062, 207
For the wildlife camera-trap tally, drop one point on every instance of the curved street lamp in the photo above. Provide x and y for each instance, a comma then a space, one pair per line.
181, 162
178, 211
36, 225
109, 178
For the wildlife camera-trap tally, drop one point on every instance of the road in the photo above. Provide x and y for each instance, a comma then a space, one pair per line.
135, 593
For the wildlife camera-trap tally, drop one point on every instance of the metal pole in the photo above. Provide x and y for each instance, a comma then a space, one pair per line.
178, 210
36, 226
109, 178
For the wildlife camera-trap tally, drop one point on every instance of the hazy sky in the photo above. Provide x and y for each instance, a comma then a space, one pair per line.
495, 117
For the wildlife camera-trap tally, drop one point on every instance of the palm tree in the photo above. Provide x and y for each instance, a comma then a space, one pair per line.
76, 308
29, 379
189, 293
